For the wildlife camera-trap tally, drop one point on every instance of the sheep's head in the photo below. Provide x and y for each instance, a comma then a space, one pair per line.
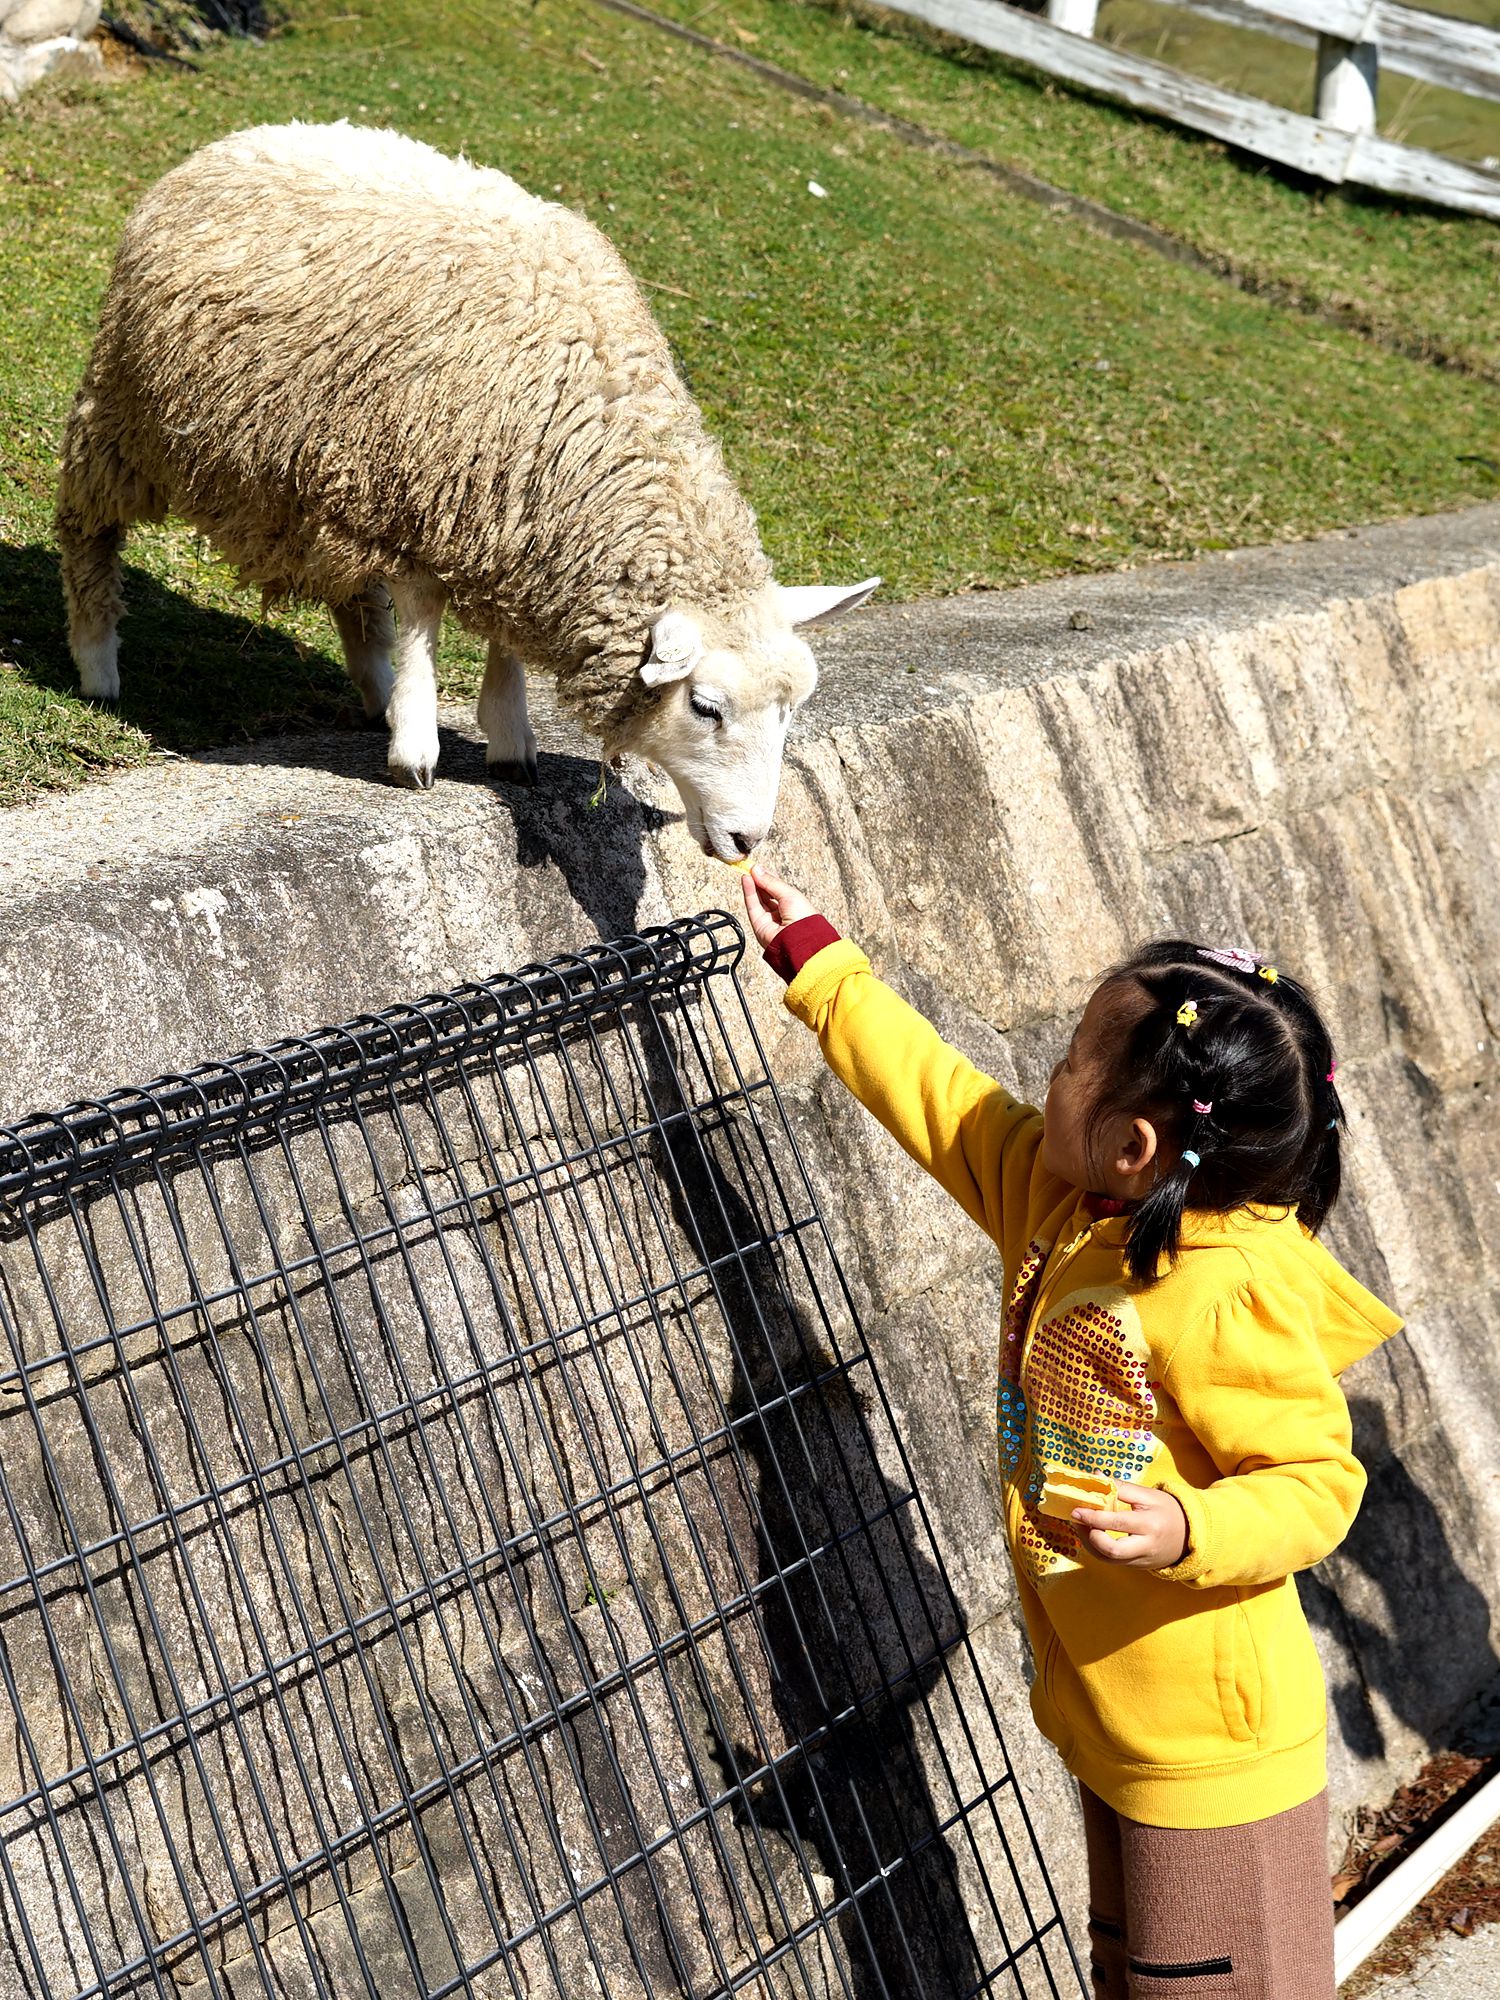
725, 687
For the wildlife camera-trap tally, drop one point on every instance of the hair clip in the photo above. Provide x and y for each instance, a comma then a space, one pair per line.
1187, 1013
1193, 1159
1333, 1065
1269, 974
1201, 1108
1230, 955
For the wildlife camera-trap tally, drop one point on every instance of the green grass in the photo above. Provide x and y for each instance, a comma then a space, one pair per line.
1282, 72
918, 374
1423, 277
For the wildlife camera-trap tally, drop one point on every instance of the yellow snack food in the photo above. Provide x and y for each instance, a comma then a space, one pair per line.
1064, 1489
741, 866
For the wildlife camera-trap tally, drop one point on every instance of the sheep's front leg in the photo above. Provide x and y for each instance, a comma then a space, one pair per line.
510, 750
411, 712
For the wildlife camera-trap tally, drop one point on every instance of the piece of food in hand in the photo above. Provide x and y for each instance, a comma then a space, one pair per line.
1063, 1489
742, 864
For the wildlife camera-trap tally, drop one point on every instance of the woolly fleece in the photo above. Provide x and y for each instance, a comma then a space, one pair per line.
343, 356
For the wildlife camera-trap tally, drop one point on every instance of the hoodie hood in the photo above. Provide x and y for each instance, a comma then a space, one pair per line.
1351, 1321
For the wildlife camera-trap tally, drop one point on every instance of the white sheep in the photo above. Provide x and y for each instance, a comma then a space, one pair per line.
381, 377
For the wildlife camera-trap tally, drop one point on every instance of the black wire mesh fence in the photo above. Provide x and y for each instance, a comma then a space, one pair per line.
453, 1539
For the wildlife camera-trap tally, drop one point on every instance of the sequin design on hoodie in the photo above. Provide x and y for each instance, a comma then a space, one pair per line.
1010, 1404
1089, 1405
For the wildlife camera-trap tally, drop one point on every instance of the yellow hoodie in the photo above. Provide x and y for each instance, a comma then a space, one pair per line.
1189, 1696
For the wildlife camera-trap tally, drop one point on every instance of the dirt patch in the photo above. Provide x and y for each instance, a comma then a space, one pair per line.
1469, 1894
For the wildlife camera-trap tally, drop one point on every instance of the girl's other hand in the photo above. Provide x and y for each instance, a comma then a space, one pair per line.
772, 904
1153, 1534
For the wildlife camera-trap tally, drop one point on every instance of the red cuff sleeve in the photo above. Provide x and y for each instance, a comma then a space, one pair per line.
790, 949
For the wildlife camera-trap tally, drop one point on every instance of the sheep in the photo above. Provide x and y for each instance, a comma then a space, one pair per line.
394, 381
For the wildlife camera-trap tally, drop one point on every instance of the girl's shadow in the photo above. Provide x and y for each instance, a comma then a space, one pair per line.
1429, 1647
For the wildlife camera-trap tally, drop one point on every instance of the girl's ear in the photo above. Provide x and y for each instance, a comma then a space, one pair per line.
1138, 1149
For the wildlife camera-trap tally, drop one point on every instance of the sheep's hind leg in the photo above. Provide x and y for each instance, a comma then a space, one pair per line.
412, 709
510, 745
368, 633
91, 589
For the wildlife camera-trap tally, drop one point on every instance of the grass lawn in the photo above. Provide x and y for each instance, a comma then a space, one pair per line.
1429, 278
915, 373
1282, 72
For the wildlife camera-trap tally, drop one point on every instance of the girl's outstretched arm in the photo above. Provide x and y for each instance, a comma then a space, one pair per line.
971, 1135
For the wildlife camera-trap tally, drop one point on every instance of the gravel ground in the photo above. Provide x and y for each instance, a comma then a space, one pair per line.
1453, 1969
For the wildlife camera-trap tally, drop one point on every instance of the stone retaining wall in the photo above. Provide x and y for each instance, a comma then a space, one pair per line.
1296, 748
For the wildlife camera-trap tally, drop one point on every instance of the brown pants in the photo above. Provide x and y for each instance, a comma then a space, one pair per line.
1217, 1913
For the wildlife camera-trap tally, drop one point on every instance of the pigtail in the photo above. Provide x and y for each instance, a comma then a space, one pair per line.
1156, 1225
1324, 1171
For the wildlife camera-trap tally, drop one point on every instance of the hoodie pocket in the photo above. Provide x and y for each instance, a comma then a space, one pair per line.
1238, 1671
1049, 1665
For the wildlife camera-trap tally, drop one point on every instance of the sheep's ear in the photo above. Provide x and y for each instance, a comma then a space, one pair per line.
815, 603
676, 648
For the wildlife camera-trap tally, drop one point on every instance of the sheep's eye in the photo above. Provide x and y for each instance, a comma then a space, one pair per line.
706, 709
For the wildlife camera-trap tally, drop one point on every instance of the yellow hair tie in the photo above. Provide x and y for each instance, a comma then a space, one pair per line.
1187, 1013
1268, 973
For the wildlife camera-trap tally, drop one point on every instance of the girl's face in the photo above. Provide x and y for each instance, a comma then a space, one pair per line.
1119, 1158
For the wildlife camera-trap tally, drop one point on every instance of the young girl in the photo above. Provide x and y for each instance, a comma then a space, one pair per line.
1173, 1328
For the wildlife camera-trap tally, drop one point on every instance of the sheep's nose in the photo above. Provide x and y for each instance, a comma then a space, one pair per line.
745, 841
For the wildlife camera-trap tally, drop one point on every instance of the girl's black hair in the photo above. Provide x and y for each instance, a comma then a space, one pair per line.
1252, 1048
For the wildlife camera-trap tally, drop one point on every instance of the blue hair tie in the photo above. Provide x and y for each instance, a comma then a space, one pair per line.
1193, 1159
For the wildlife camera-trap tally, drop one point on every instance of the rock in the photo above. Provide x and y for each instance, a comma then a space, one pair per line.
42, 20
27, 64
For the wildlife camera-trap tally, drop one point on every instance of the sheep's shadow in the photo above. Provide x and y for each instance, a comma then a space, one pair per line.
598, 849
253, 695
191, 676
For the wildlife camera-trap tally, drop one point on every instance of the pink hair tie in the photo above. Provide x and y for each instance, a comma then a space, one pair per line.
1203, 1109
1331, 1068
1230, 955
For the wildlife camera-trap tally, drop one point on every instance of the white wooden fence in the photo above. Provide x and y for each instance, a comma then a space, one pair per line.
1339, 143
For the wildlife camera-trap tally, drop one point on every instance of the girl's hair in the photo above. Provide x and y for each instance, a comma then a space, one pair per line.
1232, 1061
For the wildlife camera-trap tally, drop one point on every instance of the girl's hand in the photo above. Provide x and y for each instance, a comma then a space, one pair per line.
772, 904
1155, 1529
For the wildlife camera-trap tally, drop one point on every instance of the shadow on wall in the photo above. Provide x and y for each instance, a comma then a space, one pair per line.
1431, 1648
852, 1627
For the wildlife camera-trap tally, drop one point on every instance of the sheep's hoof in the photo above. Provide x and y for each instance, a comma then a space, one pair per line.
415, 777
513, 771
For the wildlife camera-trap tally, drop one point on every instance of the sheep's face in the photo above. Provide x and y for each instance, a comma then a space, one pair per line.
726, 690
